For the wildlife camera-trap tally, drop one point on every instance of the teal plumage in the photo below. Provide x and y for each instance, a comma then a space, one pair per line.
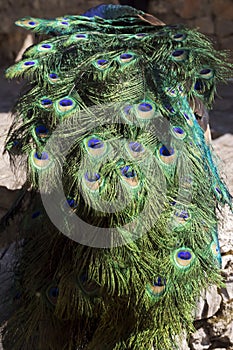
109, 118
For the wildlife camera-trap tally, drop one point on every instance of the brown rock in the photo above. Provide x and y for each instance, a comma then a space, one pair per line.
189, 9
208, 304
224, 27
223, 9
205, 24
200, 340
7, 197
227, 43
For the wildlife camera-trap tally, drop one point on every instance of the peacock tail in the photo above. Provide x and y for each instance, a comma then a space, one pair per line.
123, 236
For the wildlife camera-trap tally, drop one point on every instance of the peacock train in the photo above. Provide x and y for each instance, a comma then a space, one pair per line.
122, 233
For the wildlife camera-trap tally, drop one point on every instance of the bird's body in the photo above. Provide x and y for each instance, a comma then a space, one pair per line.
127, 238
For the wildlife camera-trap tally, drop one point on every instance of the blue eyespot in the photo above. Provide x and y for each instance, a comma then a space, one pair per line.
29, 63
52, 294
36, 214
95, 143
53, 76
92, 177
179, 55
125, 56
46, 102
71, 202
206, 73
157, 288
178, 130
145, 107
102, 62
46, 46
179, 37
128, 172
184, 255
66, 102
164, 151
136, 147
41, 131
81, 36
42, 156
199, 86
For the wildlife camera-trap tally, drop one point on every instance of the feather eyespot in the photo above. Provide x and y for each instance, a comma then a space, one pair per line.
199, 86
65, 105
71, 202
36, 214
206, 73
127, 109
167, 155
46, 103
102, 63
44, 47
95, 146
95, 143
218, 193
88, 287
92, 180
40, 161
28, 23
64, 23
171, 92
188, 119
181, 217
183, 258
126, 57
20, 68
215, 249
14, 146
69, 205
92, 177
145, 110
135, 149
179, 36
178, 132
81, 36
179, 55
52, 294
29, 63
161, 33
128, 172
128, 113
140, 35
53, 78
129, 176
42, 132
157, 288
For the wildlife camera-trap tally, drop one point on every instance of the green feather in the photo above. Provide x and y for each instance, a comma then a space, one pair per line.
118, 91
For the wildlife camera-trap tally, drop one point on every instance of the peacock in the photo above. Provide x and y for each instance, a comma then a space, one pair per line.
121, 235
